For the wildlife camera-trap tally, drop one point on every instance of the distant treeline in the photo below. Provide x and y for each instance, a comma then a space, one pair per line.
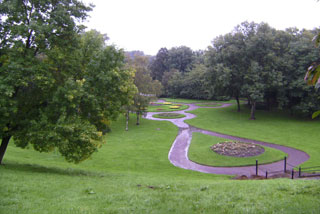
254, 61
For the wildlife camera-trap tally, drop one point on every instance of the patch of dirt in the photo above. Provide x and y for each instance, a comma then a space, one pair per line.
237, 149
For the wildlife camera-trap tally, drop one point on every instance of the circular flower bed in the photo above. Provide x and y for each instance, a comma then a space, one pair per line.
174, 107
237, 149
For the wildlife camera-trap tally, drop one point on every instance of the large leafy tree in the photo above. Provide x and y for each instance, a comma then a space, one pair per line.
230, 51
147, 88
160, 64
181, 58
59, 87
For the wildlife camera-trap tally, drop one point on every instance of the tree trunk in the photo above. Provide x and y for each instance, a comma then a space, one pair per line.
127, 120
238, 103
3, 147
268, 104
138, 118
253, 110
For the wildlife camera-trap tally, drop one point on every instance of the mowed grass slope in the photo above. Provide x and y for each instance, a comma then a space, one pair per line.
131, 174
274, 127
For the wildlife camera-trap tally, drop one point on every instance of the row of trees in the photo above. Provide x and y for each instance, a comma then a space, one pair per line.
254, 61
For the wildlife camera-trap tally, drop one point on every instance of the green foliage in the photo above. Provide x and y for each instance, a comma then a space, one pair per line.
147, 89
60, 86
265, 65
170, 65
313, 73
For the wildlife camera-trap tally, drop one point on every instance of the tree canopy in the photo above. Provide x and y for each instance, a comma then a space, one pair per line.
60, 87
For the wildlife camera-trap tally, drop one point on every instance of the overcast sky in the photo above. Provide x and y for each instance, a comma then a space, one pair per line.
149, 25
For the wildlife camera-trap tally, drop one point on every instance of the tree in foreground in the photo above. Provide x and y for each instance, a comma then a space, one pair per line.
59, 87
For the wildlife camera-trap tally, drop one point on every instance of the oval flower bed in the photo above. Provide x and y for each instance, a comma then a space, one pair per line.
200, 151
237, 149
160, 107
168, 115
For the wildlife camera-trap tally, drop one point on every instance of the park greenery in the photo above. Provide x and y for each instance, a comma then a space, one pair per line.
255, 61
131, 173
67, 94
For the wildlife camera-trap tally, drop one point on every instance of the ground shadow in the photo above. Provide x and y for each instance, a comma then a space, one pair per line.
34, 168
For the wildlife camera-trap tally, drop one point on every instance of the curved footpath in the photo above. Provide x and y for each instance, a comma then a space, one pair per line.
178, 154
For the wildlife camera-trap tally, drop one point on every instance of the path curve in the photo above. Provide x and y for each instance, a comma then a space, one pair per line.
178, 154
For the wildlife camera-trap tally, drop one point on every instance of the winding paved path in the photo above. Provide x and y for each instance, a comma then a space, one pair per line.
178, 154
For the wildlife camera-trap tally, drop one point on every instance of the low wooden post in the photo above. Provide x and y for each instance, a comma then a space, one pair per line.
299, 171
256, 167
292, 174
285, 164
266, 174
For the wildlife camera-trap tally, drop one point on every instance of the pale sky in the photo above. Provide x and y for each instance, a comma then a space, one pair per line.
149, 25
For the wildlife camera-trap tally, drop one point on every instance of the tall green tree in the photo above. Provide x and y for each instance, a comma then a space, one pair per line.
55, 94
230, 52
181, 58
160, 64
147, 88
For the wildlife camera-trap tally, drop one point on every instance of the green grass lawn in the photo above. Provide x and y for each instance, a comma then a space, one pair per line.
168, 115
209, 104
131, 174
200, 152
165, 108
179, 100
274, 127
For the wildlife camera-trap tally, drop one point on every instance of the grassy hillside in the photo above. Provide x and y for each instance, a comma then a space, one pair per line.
131, 174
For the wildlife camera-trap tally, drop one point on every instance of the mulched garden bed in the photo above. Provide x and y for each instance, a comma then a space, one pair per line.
237, 149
